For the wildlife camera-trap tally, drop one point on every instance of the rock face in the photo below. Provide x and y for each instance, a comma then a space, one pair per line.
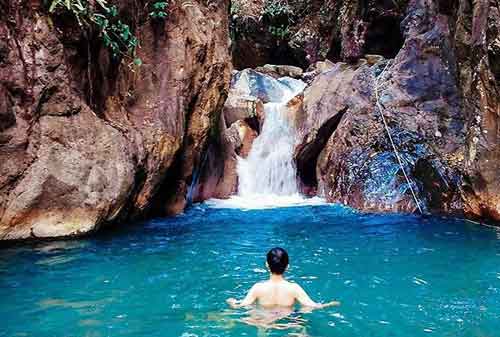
477, 41
298, 32
242, 122
85, 141
439, 96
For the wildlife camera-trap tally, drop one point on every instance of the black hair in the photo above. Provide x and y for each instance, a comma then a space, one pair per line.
277, 259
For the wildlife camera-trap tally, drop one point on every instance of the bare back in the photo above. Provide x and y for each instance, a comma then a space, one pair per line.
277, 294
272, 294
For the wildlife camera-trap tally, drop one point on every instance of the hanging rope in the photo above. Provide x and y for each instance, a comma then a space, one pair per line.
380, 109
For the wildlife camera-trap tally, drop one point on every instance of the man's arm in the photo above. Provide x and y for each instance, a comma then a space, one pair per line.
304, 299
249, 299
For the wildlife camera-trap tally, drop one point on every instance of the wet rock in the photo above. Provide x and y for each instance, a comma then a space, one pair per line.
427, 105
241, 137
249, 82
242, 107
278, 71
88, 142
218, 175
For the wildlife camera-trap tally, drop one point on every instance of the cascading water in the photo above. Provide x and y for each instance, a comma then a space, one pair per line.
267, 176
269, 168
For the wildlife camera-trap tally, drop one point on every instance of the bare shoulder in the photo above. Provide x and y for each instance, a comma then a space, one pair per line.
259, 286
294, 286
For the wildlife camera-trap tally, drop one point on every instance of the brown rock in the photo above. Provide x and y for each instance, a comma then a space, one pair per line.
241, 107
278, 71
345, 147
478, 58
87, 142
219, 177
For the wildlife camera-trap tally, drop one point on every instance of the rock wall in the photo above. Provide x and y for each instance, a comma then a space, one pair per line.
86, 140
439, 96
429, 67
476, 37
313, 30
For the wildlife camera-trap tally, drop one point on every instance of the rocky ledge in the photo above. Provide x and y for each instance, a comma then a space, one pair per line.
86, 140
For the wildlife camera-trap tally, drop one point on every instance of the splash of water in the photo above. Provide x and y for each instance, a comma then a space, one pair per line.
267, 176
269, 168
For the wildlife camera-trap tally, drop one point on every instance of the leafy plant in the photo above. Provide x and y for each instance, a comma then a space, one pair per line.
116, 35
280, 33
235, 8
276, 9
159, 10
279, 15
76, 7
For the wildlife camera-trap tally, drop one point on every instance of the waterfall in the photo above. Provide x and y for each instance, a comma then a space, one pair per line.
269, 168
267, 176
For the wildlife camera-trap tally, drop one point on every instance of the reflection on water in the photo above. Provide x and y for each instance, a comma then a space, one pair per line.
276, 319
395, 276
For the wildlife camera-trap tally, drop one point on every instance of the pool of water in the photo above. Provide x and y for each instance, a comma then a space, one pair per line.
396, 275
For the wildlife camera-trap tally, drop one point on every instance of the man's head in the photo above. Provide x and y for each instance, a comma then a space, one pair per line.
277, 260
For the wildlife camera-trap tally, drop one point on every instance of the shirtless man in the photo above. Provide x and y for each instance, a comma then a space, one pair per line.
278, 292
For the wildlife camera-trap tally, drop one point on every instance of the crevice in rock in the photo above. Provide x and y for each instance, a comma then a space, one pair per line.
307, 155
447, 7
334, 53
433, 185
384, 36
494, 61
253, 123
168, 190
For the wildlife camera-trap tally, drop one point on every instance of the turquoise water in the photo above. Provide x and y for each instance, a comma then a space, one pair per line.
395, 275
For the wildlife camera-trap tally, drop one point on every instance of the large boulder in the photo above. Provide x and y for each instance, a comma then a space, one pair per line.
445, 135
266, 88
86, 140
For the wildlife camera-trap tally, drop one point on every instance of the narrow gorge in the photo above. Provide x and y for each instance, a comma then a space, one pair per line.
258, 168
90, 139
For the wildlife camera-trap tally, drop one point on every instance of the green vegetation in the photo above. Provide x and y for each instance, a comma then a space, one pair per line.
116, 34
279, 16
235, 8
276, 15
159, 10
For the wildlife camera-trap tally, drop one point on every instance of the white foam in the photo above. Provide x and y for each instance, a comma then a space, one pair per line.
267, 177
261, 201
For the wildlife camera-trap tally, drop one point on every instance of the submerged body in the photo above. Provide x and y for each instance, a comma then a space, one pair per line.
277, 293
